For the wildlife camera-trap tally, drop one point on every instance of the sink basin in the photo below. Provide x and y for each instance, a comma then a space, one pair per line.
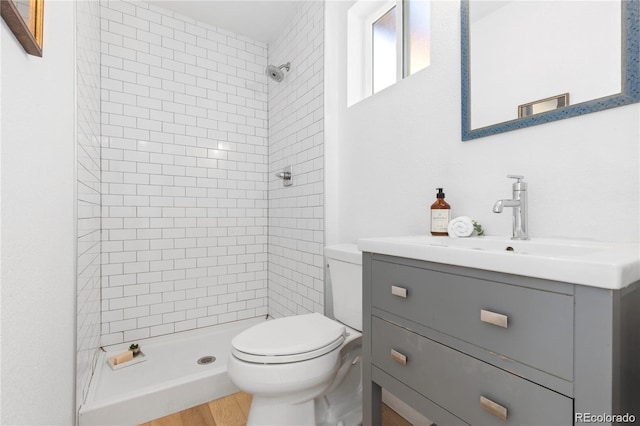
592, 263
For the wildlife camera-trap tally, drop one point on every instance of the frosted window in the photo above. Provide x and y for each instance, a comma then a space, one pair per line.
387, 40
418, 34
384, 51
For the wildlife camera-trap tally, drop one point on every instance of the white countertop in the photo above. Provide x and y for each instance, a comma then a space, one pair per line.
585, 262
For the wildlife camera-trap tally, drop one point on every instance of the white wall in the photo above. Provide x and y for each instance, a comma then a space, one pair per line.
296, 138
184, 173
397, 146
38, 226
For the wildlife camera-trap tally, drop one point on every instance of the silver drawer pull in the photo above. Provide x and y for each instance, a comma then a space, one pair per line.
494, 408
493, 318
399, 291
398, 357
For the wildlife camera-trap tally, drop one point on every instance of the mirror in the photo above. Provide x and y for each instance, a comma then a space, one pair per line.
531, 62
24, 18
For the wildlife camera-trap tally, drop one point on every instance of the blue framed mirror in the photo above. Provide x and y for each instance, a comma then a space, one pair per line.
509, 81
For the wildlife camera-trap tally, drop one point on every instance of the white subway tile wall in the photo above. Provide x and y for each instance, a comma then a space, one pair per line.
88, 192
184, 173
296, 138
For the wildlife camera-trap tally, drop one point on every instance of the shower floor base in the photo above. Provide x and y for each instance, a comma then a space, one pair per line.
170, 380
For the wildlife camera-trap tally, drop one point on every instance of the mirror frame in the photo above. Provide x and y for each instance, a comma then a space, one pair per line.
630, 80
29, 34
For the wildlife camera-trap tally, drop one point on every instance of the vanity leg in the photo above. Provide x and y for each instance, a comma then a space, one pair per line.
371, 392
372, 404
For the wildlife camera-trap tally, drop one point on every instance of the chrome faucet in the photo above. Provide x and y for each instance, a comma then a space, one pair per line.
519, 204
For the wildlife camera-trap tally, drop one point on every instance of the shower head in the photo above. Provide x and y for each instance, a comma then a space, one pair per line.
277, 73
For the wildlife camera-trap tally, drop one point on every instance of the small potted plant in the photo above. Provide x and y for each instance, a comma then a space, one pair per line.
135, 349
478, 228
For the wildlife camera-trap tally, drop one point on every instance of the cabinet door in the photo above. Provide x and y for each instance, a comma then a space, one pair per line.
531, 326
473, 390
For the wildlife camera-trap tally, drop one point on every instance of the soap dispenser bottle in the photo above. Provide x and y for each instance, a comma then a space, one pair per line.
440, 215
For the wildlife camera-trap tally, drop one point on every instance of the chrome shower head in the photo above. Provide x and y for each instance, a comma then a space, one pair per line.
277, 73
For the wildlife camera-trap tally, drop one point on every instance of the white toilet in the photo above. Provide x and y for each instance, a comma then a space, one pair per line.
305, 369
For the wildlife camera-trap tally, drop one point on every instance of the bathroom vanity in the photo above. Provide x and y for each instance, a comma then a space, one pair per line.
465, 345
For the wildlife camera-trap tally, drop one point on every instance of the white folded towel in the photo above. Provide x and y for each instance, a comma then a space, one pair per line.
460, 227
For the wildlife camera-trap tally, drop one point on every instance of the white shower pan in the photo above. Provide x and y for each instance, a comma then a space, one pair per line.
170, 380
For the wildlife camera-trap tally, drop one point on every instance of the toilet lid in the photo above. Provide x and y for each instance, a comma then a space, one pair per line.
289, 339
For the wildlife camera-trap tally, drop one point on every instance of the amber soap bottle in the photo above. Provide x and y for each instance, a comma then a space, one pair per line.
440, 215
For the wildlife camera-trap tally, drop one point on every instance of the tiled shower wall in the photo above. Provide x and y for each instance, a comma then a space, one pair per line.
296, 138
184, 171
88, 191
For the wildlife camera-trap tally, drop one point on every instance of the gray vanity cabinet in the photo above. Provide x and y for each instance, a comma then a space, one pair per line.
468, 346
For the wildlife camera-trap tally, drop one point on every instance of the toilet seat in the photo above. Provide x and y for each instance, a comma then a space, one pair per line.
289, 339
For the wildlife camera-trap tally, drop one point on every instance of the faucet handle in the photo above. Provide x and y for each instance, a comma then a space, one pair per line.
518, 185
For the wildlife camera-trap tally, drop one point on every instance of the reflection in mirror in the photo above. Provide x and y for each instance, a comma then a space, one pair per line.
543, 105
525, 50
518, 55
23, 7
25, 19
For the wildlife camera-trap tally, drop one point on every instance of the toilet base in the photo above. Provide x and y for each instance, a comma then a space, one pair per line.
265, 412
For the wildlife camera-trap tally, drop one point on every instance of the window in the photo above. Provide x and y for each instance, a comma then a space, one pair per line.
417, 36
388, 40
384, 50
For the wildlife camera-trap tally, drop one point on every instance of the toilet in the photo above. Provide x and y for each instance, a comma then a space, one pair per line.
305, 369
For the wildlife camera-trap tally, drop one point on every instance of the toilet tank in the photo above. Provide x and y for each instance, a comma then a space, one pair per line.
345, 271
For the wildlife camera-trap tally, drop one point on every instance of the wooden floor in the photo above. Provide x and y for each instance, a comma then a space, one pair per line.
233, 410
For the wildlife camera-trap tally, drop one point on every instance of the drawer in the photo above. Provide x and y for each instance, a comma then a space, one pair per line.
533, 327
477, 392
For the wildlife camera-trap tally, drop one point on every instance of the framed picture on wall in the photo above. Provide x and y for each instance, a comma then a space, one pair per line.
24, 18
